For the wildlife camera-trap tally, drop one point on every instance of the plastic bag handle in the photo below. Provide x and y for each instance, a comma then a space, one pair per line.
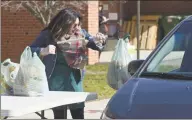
126, 37
27, 54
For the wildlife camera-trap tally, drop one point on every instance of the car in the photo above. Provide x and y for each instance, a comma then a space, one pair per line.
160, 87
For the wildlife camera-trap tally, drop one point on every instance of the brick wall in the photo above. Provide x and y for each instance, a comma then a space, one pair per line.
20, 28
93, 28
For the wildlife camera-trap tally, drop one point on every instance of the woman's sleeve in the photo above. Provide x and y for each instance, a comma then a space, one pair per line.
91, 44
39, 43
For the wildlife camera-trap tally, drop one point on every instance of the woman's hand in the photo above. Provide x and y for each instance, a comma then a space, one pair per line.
50, 49
100, 38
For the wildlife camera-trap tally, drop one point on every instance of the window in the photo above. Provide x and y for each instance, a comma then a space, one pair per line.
176, 54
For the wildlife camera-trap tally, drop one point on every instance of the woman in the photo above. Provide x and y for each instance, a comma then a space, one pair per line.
62, 77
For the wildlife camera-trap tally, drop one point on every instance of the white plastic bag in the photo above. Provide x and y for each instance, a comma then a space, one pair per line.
31, 79
117, 71
9, 72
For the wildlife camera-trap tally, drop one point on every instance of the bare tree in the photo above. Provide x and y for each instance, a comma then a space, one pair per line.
43, 10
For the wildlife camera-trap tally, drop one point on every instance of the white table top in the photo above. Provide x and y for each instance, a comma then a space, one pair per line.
19, 105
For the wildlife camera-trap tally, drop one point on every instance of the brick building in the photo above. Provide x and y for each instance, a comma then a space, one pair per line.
20, 28
126, 10
169, 13
157, 8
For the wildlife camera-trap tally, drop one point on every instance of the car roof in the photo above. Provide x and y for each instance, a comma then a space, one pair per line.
189, 18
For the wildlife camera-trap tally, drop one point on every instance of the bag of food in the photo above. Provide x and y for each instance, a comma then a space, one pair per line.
31, 79
118, 68
74, 51
9, 72
3, 85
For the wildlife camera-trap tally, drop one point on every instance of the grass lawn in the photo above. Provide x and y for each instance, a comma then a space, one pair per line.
95, 81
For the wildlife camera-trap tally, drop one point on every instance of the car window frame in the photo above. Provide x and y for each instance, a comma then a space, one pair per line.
158, 47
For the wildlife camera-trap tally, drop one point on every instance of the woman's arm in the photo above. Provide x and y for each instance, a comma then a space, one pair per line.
91, 44
40, 42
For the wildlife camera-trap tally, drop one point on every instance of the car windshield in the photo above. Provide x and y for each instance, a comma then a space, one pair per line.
175, 57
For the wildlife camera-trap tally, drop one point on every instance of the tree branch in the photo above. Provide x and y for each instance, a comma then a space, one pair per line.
5, 3
32, 11
44, 10
40, 13
49, 11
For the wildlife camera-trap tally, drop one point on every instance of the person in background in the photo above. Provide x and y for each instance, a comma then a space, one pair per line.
102, 24
100, 13
60, 75
102, 21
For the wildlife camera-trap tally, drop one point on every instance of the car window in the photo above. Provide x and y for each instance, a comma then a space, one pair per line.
176, 53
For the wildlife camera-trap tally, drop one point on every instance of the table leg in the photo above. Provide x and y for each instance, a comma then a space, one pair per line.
42, 115
5, 117
65, 111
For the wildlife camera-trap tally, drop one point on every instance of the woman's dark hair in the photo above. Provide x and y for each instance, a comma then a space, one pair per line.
61, 23
80, 17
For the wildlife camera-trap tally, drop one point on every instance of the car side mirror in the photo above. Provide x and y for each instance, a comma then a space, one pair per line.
134, 66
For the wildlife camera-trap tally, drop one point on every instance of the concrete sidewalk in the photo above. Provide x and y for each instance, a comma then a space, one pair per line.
93, 110
107, 55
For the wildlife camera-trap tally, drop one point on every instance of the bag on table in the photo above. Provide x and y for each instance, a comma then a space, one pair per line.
31, 79
118, 68
9, 72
